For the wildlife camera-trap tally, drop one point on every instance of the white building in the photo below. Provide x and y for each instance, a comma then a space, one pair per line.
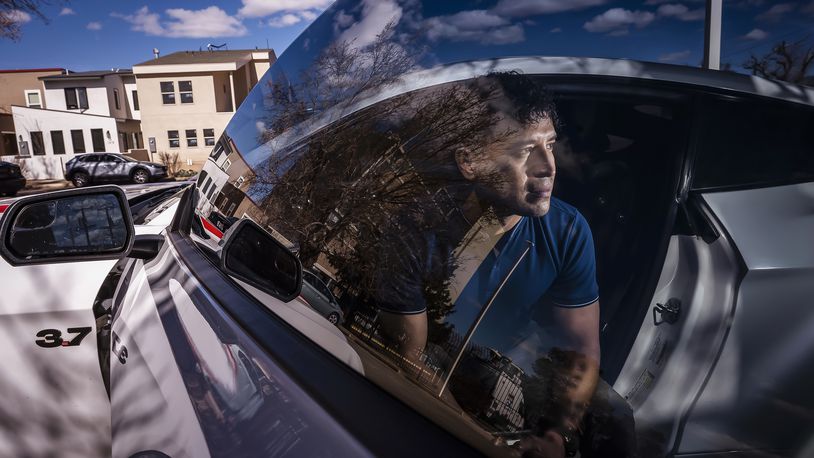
86, 112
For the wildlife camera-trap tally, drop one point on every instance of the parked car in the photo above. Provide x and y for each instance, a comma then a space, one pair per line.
697, 187
88, 168
320, 298
11, 179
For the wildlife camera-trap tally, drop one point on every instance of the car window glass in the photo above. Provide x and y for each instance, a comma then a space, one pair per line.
406, 214
90, 158
746, 142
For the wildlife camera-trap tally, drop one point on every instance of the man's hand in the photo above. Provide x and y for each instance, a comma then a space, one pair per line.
549, 445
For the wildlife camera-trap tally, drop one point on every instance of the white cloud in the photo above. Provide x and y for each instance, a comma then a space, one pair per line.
376, 15
263, 8
284, 20
617, 20
555, 30
756, 34
209, 22
143, 21
681, 12
67, 12
514, 8
675, 56
776, 12
309, 15
94, 26
16, 16
475, 25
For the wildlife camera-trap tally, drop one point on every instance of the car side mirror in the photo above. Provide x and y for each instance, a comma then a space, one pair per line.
86, 224
254, 256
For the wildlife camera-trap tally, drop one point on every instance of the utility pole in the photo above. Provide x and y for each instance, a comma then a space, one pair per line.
712, 35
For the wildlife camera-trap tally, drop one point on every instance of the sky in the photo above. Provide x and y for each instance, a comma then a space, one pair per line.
100, 34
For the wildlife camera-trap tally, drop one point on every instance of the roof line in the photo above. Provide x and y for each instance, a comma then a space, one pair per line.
32, 70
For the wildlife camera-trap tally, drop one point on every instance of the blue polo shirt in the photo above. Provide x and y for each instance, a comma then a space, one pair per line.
559, 267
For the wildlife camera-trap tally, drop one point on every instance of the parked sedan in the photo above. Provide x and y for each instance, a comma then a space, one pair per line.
11, 179
683, 196
320, 298
88, 168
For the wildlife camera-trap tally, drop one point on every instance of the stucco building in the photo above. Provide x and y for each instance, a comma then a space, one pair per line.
94, 111
188, 97
23, 88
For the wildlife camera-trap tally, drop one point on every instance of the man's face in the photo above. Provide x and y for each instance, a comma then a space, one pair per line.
516, 174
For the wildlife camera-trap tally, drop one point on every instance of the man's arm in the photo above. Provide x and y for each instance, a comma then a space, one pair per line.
577, 333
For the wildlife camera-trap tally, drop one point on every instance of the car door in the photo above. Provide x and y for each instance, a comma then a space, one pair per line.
754, 178
107, 167
201, 366
55, 400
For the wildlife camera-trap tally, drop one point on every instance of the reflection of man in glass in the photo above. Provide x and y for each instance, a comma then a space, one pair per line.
526, 250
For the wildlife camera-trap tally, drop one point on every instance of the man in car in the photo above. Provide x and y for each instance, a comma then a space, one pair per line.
526, 250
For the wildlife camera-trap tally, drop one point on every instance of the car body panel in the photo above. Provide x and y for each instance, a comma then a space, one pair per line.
59, 390
765, 370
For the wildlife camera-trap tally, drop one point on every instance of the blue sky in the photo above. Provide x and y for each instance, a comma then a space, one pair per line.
98, 34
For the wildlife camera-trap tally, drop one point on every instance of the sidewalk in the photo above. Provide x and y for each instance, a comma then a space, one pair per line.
38, 186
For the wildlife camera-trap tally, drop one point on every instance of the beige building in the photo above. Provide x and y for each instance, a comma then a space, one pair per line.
188, 97
23, 88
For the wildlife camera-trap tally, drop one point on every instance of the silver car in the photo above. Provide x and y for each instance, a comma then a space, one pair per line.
88, 168
320, 298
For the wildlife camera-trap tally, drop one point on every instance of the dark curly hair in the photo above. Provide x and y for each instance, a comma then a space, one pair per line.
530, 99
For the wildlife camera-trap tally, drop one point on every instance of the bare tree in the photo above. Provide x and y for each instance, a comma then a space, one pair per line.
11, 13
785, 62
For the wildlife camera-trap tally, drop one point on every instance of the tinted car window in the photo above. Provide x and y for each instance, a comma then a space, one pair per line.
381, 200
746, 142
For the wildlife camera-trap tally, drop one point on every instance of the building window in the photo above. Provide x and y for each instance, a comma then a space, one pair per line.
185, 91
58, 142
116, 99
37, 144
239, 181
209, 137
78, 141
76, 98
175, 142
226, 164
33, 98
168, 92
135, 101
192, 137
98, 139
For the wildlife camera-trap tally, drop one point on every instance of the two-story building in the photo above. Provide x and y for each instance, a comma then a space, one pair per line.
19, 87
94, 111
188, 97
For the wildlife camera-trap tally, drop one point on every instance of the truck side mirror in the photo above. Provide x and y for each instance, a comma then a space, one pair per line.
87, 224
254, 256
